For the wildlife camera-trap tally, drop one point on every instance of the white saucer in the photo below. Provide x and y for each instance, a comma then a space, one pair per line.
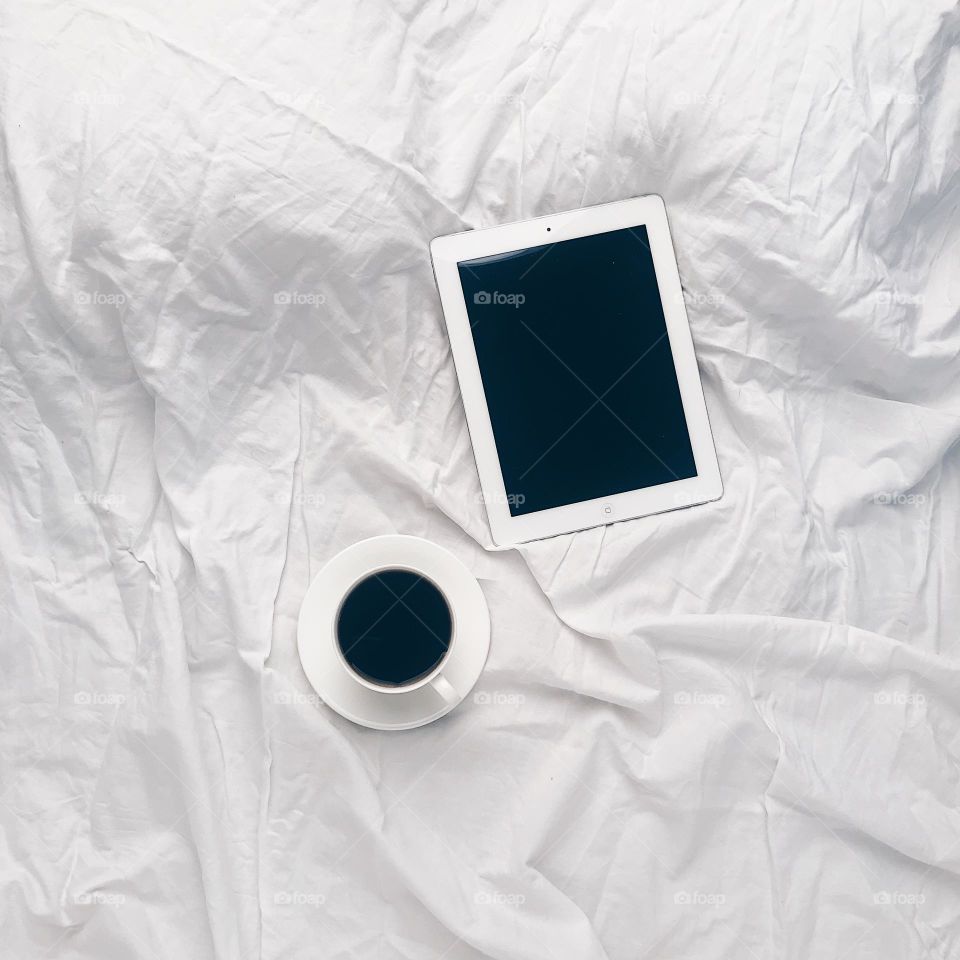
433, 696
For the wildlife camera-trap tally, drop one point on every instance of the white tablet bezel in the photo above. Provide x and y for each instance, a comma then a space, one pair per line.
446, 252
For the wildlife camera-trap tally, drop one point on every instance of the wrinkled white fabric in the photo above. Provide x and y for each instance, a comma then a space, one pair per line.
730, 731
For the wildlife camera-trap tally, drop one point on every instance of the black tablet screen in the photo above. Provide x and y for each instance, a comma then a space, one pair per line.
577, 369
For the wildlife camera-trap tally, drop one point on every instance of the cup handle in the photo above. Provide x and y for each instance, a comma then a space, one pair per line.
445, 688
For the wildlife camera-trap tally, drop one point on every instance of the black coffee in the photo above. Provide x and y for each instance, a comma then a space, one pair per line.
394, 627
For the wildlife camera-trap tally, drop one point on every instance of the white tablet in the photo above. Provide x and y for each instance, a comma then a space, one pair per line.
577, 370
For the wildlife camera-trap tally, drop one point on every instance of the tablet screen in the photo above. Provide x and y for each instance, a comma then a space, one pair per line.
577, 369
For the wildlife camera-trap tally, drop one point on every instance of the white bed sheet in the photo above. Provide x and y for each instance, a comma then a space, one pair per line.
731, 731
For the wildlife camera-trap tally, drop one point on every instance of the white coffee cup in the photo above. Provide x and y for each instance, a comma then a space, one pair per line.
384, 622
367, 699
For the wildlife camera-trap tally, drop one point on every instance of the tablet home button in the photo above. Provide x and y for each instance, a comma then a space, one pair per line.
607, 510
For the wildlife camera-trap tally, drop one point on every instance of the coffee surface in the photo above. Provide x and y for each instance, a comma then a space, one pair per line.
394, 627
